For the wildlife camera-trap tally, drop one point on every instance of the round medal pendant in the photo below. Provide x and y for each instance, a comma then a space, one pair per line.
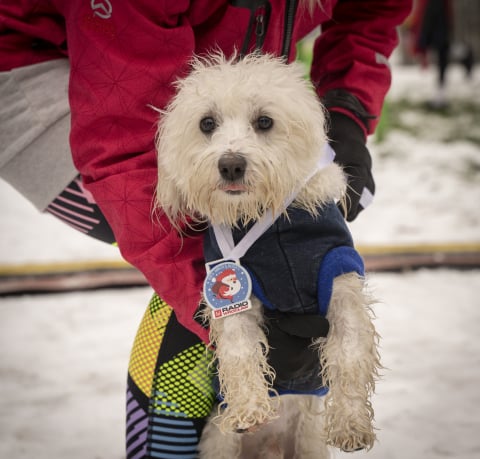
227, 288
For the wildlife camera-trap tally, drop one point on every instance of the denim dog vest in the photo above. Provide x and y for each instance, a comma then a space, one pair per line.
293, 264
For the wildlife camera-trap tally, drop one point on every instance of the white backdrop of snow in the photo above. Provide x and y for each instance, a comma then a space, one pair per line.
63, 358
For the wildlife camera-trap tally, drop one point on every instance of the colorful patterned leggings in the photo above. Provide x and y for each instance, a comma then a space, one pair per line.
169, 386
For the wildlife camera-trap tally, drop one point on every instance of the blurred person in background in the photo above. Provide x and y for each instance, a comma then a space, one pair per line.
431, 26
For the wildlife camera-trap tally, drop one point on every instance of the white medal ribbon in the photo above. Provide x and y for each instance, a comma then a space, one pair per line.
223, 233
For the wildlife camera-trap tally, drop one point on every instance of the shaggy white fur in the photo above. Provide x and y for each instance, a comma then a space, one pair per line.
237, 139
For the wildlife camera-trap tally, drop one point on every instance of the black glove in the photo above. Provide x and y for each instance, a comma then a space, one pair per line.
348, 141
290, 338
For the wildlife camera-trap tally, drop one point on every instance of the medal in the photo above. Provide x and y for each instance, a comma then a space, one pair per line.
227, 288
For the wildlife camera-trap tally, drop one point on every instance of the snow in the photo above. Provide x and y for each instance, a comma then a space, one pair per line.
64, 357
427, 403
63, 369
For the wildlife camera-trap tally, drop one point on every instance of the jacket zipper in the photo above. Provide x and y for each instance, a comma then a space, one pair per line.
258, 23
262, 15
259, 18
290, 11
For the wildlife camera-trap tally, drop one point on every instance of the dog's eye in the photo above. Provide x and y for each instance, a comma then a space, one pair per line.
263, 123
207, 124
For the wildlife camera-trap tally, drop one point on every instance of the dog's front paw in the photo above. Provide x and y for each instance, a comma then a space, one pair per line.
246, 419
352, 443
352, 437
349, 425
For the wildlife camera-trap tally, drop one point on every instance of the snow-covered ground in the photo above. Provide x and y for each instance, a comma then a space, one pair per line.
63, 358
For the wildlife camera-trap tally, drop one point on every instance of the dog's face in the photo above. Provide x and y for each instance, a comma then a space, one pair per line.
239, 137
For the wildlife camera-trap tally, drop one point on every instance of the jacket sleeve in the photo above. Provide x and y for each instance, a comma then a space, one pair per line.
351, 55
121, 67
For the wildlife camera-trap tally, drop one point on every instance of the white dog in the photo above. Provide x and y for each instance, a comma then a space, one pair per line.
243, 144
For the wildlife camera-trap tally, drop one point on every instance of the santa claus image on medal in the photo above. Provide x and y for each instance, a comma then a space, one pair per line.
226, 285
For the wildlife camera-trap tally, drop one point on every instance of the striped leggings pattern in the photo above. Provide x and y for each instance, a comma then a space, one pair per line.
172, 438
76, 207
136, 428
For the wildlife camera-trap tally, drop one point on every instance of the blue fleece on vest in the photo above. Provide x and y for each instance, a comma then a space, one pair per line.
293, 264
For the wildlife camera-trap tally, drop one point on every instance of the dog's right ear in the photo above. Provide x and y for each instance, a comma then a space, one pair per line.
165, 190
168, 198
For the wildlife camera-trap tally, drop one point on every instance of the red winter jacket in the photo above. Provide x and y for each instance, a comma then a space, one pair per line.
124, 56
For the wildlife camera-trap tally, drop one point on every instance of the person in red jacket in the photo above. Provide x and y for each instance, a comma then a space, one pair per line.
92, 162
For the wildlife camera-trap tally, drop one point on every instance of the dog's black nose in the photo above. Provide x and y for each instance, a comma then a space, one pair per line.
232, 167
